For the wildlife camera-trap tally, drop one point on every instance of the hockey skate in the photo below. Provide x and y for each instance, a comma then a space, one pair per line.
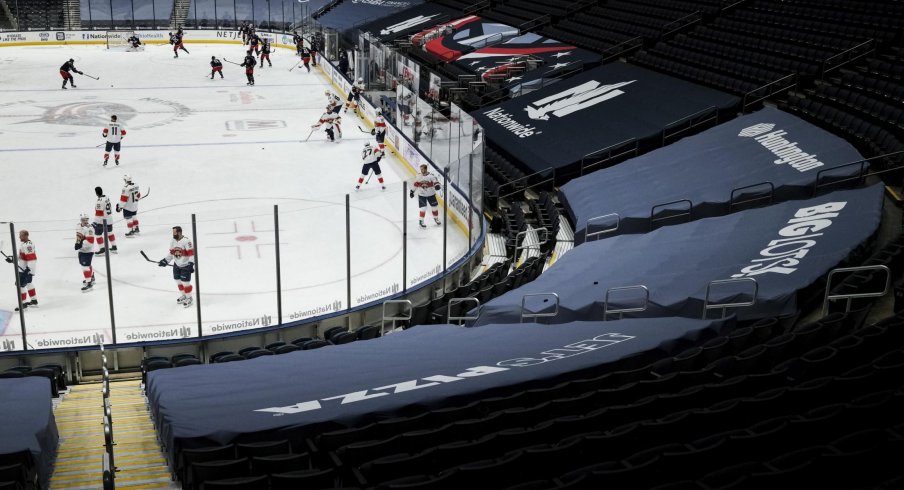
436, 220
187, 302
24, 306
132, 233
101, 251
358, 187
115, 250
181, 299
117, 162
87, 284
421, 222
32, 304
105, 163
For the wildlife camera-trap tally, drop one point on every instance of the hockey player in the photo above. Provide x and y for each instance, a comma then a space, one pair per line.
265, 53
330, 120
333, 102
426, 186
216, 66
182, 254
176, 41
26, 265
103, 210
244, 30
306, 57
65, 70
128, 204
84, 245
354, 95
379, 130
113, 133
134, 42
254, 42
249, 63
298, 42
371, 157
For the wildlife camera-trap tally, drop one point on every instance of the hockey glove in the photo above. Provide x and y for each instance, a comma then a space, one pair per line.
190, 267
373, 131
78, 245
411, 194
162, 263
28, 272
80, 73
437, 187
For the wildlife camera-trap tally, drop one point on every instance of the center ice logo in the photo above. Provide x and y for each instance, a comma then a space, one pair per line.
86, 113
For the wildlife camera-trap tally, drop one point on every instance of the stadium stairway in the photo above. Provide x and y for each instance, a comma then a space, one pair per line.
137, 453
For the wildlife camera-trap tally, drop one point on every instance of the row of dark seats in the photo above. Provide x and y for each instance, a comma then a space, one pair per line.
716, 58
779, 49
18, 471
888, 113
53, 372
891, 90
816, 365
756, 31
546, 214
515, 226
773, 61
867, 15
702, 76
504, 171
808, 26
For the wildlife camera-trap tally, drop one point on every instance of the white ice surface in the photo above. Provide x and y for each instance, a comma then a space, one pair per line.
216, 148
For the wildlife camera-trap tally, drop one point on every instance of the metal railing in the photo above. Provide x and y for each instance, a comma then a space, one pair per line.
680, 23
529, 246
465, 317
629, 146
395, 317
848, 297
851, 54
630, 309
753, 97
655, 222
532, 314
724, 306
621, 48
738, 191
594, 235
513, 183
697, 119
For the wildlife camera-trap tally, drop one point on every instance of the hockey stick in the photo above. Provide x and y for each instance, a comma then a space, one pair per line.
146, 194
363, 130
296, 66
98, 146
152, 261
89, 76
10, 259
234, 63
309, 134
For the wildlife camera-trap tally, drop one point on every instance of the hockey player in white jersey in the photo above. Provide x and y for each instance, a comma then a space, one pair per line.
103, 210
113, 133
371, 157
182, 255
426, 185
333, 102
331, 125
26, 266
84, 245
354, 95
379, 130
128, 204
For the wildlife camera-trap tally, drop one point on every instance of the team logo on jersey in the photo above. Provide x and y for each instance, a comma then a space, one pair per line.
407, 24
585, 95
254, 124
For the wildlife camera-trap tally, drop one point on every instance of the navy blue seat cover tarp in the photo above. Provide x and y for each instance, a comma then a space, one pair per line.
676, 263
350, 14
410, 21
354, 383
767, 146
27, 422
557, 126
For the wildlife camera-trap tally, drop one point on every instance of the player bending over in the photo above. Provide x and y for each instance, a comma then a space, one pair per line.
65, 72
84, 245
330, 120
426, 186
113, 133
354, 95
134, 42
182, 254
371, 157
128, 204
103, 210
216, 66
249, 63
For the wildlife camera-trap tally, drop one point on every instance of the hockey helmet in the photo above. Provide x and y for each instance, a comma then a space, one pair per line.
360, 80
127, 178
367, 146
378, 111
83, 217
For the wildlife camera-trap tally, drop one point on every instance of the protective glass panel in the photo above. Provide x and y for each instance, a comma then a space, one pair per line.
144, 14
406, 105
122, 13
204, 13
376, 232
163, 10
244, 11
101, 15
261, 14
226, 14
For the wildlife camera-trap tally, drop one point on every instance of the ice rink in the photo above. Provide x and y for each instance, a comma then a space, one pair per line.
218, 149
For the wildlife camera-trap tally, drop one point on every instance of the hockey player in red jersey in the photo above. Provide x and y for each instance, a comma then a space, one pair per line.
249, 63
113, 133
305, 57
371, 157
65, 70
26, 263
182, 255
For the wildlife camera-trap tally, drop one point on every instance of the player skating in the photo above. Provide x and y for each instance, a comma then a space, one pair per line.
84, 245
354, 96
371, 157
182, 255
134, 42
379, 130
113, 133
128, 204
26, 263
249, 63
244, 29
103, 210
176, 41
216, 66
298, 41
333, 102
255, 43
65, 72
426, 186
306, 57
331, 126
265, 53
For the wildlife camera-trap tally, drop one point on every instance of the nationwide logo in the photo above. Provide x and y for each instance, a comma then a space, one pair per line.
782, 255
407, 24
9, 345
263, 321
162, 334
577, 98
95, 339
787, 151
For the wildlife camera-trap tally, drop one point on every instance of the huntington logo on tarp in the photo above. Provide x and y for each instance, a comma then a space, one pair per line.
577, 98
407, 24
787, 151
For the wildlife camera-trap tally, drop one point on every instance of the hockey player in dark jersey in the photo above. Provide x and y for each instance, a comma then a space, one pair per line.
176, 41
134, 41
306, 57
216, 66
298, 42
254, 43
249, 67
65, 70
265, 53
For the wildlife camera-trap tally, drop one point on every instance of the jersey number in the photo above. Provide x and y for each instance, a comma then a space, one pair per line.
115, 130
135, 195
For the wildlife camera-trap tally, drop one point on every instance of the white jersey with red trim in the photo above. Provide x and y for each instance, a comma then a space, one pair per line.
102, 209
332, 100
87, 239
379, 125
371, 155
114, 133
426, 185
328, 120
27, 256
130, 197
181, 252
